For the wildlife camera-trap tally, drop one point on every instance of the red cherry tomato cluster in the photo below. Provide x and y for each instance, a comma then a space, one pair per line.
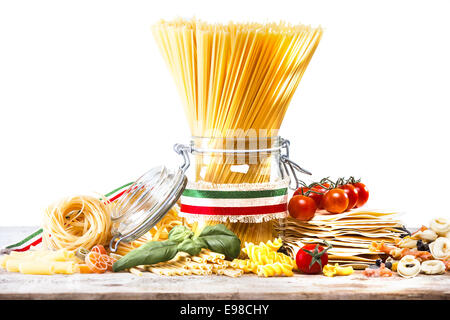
334, 197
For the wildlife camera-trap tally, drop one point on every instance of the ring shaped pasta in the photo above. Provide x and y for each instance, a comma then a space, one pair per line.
408, 267
433, 267
73, 222
440, 225
440, 249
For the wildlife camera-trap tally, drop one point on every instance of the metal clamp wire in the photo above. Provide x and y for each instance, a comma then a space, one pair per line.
184, 151
289, 164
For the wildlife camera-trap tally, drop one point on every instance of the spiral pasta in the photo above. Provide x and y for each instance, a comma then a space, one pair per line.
74, 222
264, 260
263, 254
275, 269
273, 245
245, 265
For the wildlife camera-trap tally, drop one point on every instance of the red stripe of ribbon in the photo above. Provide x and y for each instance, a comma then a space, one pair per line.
29, 246
233, 211
118, 195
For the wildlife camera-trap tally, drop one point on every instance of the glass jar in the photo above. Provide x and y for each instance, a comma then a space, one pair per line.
240, 182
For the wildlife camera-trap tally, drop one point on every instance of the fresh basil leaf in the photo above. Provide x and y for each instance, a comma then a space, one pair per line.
200, 242
179, 233
221, 240
190, 246
149, 253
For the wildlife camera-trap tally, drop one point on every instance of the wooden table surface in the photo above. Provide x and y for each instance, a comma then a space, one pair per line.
151, 286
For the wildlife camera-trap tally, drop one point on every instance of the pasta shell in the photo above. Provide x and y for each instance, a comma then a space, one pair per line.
408, 267
407, 242
427, 235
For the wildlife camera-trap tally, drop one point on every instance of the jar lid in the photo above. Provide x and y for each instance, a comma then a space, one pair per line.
146, 202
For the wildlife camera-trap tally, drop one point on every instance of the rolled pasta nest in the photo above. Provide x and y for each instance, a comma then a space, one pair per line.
79, 221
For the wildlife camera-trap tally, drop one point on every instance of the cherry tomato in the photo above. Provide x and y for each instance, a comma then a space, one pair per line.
300, 191
311, 258
302, 207
352, 194
318, 197
335, 201
363, 194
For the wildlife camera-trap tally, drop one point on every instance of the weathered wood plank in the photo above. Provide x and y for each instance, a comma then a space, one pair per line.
151, 286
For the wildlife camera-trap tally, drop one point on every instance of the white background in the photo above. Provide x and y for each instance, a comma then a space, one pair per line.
87, 103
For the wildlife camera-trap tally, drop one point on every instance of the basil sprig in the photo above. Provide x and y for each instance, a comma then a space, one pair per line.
216, 238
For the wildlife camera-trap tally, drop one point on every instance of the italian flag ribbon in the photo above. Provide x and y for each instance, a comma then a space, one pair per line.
35, 238
238, 202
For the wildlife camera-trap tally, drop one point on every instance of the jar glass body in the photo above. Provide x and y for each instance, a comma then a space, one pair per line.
239, 182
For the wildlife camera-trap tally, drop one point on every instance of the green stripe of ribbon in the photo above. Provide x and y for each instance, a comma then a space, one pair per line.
31, 236
117, 189
234, 194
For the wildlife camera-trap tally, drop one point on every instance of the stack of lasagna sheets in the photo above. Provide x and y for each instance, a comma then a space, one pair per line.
350, 234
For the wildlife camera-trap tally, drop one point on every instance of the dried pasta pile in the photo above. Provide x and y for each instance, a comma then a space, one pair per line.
350, 234
206, 263
45, 262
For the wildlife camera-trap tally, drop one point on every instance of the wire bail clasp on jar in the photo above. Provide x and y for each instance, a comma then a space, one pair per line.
184, 151
290, 166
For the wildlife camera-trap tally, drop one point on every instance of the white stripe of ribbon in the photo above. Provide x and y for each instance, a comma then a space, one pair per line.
251, 202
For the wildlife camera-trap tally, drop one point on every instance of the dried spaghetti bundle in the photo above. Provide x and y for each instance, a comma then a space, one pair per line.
235, 80
74, 222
